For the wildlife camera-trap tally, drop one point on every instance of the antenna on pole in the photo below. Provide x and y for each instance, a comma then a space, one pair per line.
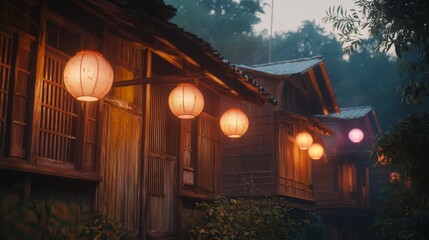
271, 31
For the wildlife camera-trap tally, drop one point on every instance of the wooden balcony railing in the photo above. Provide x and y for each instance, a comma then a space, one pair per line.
242, 184
295, 188
341, 199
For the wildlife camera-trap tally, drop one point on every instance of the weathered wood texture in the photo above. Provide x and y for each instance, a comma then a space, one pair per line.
266, 161
162, 166
6, 41
119, 192
248, 163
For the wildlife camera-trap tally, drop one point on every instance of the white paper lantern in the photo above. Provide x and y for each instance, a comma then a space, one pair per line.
234, 123
315, 151
356, 135
186, 101
88, 76
303, 140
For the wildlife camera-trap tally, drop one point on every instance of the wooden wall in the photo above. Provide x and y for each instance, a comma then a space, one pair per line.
248, 163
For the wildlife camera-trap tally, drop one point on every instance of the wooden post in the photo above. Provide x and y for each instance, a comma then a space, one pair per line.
145, 147
41, 46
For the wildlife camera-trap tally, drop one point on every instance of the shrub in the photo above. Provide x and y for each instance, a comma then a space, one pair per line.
268, 218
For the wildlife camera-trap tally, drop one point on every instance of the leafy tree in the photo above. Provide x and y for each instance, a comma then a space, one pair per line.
404, 149
309, 40
401, 214
402, 24
225, 24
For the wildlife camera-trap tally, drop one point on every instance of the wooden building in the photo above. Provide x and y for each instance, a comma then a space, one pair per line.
267, 161
126, 155
343, 183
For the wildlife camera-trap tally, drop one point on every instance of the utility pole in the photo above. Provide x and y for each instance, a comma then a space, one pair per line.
271, 31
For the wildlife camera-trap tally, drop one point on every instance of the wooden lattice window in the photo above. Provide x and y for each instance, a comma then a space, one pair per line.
200, 153
5, 71
58, 121
67, 129
208, 152
15, 87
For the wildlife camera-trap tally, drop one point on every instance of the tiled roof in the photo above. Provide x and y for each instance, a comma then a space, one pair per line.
242, 82
287, 67
350, 112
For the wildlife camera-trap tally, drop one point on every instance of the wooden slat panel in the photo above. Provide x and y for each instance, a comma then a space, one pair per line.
90, 137
208, 147
58, 115
162, 165
5, 65
161, 210
21, 100
119, 193
241, 184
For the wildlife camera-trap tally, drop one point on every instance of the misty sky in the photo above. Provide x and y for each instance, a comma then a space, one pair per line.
289, 14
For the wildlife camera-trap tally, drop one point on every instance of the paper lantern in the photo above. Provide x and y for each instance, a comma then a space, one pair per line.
356, 135
234, 123
186, 101
88, 76
315, 151
303, 140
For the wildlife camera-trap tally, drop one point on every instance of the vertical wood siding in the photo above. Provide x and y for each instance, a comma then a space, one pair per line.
294, 164
119, 193
162, 166
208, 154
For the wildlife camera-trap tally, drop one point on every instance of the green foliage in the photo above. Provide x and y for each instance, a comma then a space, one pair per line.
99, 227
44, 220
403, 149
402, 24
401, 213
268, 218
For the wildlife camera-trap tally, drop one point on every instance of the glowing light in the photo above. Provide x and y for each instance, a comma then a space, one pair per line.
315, 151
356, 135
303, 140
88, 76
234, 123
186, 101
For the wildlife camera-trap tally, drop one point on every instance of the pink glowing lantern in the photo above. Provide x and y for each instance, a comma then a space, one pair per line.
356, 135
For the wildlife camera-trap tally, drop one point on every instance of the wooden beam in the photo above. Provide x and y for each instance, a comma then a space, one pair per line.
161, 80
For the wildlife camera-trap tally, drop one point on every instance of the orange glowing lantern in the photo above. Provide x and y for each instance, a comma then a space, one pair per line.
186, 101
315, 151
356, 135
234, 123
303, 140
88, 76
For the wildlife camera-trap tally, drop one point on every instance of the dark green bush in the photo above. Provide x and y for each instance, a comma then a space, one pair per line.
268, 218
